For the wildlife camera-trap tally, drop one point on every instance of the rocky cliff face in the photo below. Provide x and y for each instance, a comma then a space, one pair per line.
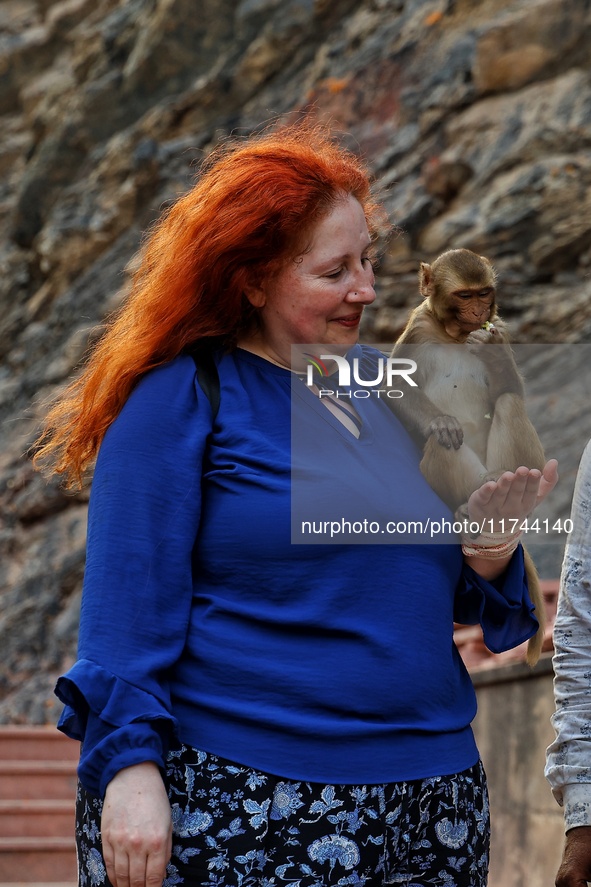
474, 115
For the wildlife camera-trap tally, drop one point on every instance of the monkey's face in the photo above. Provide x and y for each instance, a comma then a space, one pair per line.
471, 308
460, 286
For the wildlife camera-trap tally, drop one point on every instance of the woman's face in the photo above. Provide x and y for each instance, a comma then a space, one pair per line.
319, 296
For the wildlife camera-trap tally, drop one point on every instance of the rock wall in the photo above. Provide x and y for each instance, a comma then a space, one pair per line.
474, 116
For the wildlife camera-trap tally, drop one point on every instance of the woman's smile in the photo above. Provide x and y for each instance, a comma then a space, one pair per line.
319, 295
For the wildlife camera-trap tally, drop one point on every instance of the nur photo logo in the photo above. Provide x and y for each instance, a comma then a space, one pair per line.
388, 370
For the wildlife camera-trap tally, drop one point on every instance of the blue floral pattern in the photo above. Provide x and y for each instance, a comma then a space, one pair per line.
238, 827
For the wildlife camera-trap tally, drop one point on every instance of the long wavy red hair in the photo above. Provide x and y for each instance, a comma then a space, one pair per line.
249, 212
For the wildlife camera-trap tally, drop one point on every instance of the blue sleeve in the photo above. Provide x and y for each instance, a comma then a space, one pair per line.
503, 608
143, 519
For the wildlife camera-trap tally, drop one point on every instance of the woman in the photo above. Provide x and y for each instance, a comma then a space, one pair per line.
300, 708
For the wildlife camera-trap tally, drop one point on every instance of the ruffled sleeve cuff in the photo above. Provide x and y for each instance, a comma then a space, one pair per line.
503, 608
118, 724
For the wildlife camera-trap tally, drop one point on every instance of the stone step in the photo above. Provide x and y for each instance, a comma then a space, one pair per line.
39, 884
36, 744
40, 818
27, 780
37, 860
37, 799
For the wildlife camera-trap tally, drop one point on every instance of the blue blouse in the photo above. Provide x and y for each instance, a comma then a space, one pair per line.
204, 620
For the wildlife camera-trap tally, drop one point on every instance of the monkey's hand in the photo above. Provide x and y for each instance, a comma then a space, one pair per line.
502, 371
575, 868
447, 431
482, 337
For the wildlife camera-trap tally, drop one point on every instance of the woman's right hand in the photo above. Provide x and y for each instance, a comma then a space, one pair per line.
136, 827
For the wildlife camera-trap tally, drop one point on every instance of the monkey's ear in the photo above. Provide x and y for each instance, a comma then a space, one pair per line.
490, 265
424, 279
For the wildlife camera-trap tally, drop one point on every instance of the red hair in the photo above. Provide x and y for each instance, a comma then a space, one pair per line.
248, 213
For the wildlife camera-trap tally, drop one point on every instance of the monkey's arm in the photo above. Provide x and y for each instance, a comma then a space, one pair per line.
422, 418
493, 349
417, 412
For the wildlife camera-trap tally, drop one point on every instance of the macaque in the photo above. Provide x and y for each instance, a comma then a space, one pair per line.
468, 412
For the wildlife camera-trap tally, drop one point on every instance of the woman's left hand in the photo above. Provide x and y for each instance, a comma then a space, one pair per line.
514, 495
502, 504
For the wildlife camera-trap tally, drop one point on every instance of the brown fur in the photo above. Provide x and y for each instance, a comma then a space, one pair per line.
468, 412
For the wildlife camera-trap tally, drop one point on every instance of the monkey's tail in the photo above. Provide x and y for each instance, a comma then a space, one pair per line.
534, 645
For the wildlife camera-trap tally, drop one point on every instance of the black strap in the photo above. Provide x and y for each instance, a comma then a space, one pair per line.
207, 372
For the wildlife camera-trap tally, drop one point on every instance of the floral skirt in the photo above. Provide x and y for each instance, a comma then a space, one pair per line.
238, 827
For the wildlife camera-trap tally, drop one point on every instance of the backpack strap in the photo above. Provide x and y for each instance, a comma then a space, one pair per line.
207, 371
